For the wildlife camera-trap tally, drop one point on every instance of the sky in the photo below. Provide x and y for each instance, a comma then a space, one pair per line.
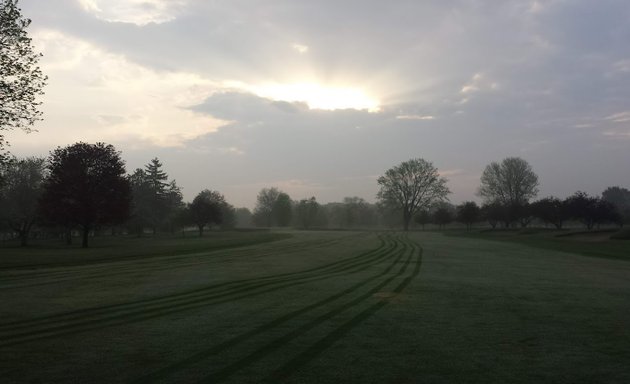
319, 98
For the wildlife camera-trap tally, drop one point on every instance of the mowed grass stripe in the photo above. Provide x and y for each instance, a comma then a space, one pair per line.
279, 342
156, 263
363, 257
320, 346
84, 323
140, 313
200, 356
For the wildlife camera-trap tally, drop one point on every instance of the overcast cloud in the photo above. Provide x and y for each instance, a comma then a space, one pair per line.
319, 98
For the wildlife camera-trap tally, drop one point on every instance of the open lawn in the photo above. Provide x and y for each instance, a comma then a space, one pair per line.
316, 307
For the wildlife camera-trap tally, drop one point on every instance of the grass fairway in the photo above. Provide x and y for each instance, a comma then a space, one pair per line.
321, 307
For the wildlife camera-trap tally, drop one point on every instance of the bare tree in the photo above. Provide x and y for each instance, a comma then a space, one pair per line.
510, 182
410, 186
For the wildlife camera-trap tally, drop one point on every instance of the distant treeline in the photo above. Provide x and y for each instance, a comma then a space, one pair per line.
85, 189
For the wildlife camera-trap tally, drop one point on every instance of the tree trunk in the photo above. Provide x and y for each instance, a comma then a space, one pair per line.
23, 238
200, 230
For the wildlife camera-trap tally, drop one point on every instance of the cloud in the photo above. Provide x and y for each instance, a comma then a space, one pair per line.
97, 95
139, 12
478, 83
415, 117
300, 48
620, 117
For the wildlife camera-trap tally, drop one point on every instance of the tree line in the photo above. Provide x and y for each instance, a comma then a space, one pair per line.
85, 188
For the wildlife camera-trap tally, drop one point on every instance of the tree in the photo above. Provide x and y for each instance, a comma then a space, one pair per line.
228, 216
273, 207
468, 213
87, 187
410, 186
265, 203
206, 209
21, 80
156, 201
620, 198
510, 182
607, 213
551, 210
423, 217
141, 212
243, 217
20, 193
493, 212
583, 207
283, 210
443, 215
307, 210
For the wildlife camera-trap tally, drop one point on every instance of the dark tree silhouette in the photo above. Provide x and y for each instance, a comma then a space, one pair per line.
307, 210
583, 207
620, 198
442, 216
87, 187
206, 209
283, 210
19, 194
411, 186
155, 200
468, 213
551, 210
423, 218
493, 212
21, 80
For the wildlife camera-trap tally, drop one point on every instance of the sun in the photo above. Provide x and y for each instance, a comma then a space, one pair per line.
318, 96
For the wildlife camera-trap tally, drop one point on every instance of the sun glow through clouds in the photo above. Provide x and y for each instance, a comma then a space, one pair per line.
317, 96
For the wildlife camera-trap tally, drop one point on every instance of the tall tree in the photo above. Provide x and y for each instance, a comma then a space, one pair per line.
21, 80
307, 210
87, 187
620, 198
264, 210
510, 182
411, 186
141, 212
206, 209
156, 201
283, 210
19, 194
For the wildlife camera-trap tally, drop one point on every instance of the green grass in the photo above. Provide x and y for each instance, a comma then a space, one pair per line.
111, 248
323, 307
596, 243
